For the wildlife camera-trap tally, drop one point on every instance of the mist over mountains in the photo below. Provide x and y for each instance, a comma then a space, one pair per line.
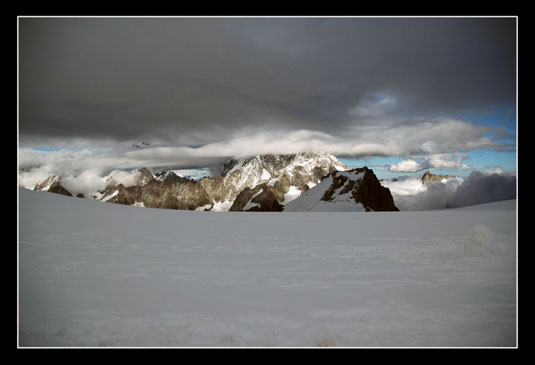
411, 193
268, 183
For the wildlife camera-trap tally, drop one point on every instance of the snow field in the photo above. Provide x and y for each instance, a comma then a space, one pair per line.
100, 274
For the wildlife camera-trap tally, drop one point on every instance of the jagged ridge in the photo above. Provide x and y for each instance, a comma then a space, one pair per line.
353, 190
428, 176
259, 183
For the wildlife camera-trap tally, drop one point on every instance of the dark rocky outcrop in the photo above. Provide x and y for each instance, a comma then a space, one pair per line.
228, 165
262, 198
58, 189
372, 194
171, 192
44, 185
361, 185
346, 191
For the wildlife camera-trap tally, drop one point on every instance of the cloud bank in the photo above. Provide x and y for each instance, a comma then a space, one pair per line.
478, 188
87, 182
437, 140
199, 81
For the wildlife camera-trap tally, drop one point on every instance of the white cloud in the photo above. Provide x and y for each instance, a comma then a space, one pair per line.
30, 178
127, 178
411, 194
432, 144
87, 183
438, 161
73, 168
405, 186
90, 182
448, 161
407, 166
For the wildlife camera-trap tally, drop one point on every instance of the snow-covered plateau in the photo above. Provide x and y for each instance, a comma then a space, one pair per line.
100, 274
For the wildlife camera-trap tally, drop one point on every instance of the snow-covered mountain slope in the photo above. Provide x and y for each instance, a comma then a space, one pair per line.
356, 190
93, 274
47, 183
278, 179
281, 173
266, 167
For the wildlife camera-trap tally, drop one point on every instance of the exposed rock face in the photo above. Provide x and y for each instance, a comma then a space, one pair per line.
216, 188
145, 177
262, 198
262, 183
372, 194
47, 184
280, 172
175, 193
280, 177
353, 190
53, 185
428, 176
170, 192
228, 166
58, 189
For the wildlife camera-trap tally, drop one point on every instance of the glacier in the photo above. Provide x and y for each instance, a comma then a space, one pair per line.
93, 274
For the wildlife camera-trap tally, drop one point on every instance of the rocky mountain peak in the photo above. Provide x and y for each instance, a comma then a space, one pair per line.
284, 176
57, 188
258, 183
353, 190
145, 177
47, 184
169, 177
275, 165
428, 176
228, 166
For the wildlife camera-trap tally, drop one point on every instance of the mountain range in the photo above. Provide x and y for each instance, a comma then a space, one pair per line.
296, 182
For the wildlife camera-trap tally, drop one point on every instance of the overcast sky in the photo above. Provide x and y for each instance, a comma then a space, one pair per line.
202, 89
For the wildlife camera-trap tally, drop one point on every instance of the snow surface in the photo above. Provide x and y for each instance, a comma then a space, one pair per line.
96, 274
501, 205
292, 194
222, 206
482, 242
310, 198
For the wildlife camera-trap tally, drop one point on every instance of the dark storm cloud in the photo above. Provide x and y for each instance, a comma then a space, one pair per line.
192, 81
